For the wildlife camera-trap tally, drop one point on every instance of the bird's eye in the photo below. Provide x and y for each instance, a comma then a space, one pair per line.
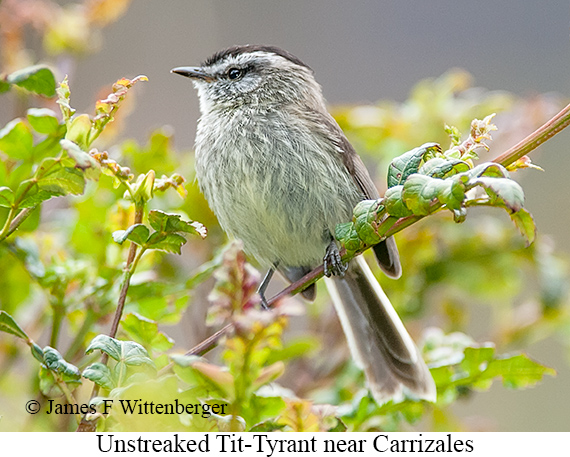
235, 73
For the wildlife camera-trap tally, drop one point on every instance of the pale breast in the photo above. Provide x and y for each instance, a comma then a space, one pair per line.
274, 185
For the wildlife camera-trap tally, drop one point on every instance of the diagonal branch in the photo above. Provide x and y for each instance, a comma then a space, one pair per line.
536, 138
555, 125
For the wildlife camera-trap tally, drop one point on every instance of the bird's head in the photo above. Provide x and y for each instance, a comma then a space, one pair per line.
255, 76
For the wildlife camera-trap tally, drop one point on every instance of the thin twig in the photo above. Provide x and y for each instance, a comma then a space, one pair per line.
203, 347
536, 138
209, 342
130, 266
17, 221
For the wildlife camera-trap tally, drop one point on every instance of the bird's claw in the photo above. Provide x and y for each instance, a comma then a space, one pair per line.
333, 264
263, 287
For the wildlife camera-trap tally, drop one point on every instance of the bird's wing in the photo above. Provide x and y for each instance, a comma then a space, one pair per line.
386, 252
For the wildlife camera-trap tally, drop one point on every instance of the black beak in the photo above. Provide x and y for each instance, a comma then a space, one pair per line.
193, 72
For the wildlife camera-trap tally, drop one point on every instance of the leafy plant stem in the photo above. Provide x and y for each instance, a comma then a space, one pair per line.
522, 148
132, 262
130, 266
12, 223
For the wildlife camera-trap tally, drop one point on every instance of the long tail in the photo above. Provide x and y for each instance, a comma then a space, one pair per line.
377, 337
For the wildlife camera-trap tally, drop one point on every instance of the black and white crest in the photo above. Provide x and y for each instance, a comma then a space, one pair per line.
235, 51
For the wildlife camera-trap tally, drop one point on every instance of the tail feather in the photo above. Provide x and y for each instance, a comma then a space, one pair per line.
388, 258
377, 337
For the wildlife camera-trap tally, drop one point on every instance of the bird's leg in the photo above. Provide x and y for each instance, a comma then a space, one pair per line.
263, 286
333, 263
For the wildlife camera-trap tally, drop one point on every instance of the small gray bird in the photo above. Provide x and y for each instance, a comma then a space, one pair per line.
279, 174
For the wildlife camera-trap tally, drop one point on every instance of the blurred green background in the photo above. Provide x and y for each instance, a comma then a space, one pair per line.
363, 52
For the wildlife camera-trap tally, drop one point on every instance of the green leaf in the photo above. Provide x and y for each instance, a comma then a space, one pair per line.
38, 79
145, 332
167, 222
346, 234
408, 163
106, 344
502, 191
185, 371
203, 272
16, 140
83, 160
489, 169
525, 223
78, 130
451, 193
442, 168
294, 349
6, 197
218, 379
476, 361
394, 202
48, 147
365, 214
144, 186
137, 233
63, 181
480, 366
48, 385
454, 134
55, 362
127, 352
183, 368
34, 197
63, 100
267, 407
101, 375
9, 325
169, 242
418, 193
43, 120
56, 181
37, 351
271, 426
167, 235
518, 371
62, 369
339, 426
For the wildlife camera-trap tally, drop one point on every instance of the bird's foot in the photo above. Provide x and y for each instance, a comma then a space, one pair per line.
263, 301
333, 264
263, 287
